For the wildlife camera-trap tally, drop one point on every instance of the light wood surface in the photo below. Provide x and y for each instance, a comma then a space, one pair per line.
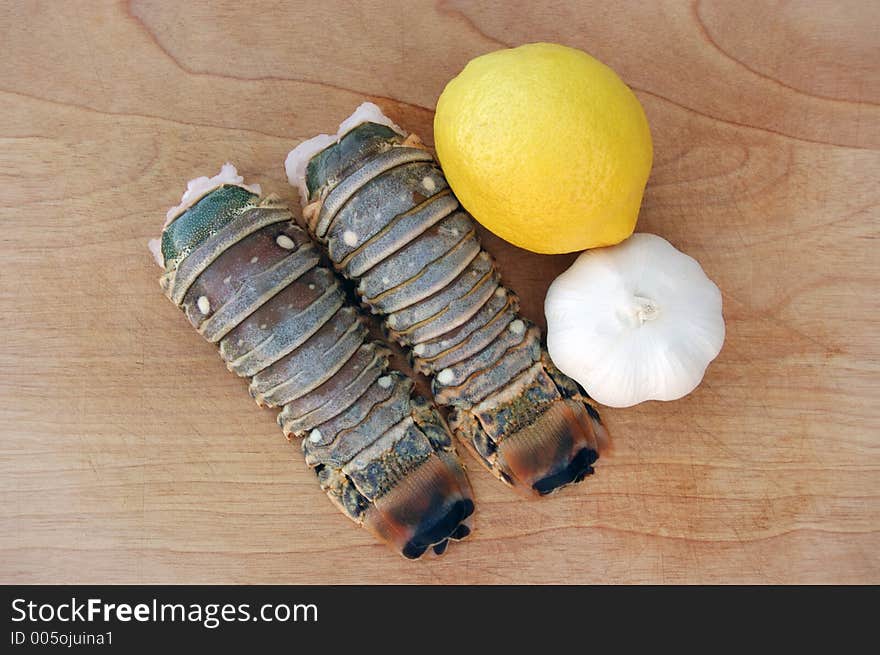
129, 453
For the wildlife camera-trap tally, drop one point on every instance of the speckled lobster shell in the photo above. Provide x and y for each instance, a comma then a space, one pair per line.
383, 212
248, 279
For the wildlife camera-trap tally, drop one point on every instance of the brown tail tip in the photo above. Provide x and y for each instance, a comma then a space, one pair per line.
557, 449
427, 508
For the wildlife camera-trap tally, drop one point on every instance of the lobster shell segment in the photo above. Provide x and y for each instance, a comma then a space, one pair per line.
248, 279
380, 207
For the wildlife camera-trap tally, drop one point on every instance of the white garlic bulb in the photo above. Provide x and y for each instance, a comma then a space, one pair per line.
633, 322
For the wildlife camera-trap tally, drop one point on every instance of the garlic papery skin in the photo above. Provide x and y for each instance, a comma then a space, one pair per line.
634, 322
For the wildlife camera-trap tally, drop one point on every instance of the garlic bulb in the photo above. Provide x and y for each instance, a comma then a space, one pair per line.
633, 322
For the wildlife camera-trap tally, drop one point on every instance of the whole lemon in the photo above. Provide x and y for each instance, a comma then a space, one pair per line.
546, 147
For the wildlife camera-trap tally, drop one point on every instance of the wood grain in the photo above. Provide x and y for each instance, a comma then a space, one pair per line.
129, 453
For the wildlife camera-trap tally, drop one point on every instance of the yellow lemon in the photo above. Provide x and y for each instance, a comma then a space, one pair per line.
546, 147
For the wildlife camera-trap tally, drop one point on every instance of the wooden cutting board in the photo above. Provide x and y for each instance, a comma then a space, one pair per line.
129, 453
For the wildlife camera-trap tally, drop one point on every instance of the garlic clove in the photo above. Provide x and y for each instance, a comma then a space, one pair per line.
633, 322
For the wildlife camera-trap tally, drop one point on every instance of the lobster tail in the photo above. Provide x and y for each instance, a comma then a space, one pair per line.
379, 204
247, 278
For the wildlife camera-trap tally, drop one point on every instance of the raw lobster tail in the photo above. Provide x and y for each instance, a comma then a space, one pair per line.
381, 207
247, 278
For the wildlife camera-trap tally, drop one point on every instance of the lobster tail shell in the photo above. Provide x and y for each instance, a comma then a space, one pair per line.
383, 211
248, 279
